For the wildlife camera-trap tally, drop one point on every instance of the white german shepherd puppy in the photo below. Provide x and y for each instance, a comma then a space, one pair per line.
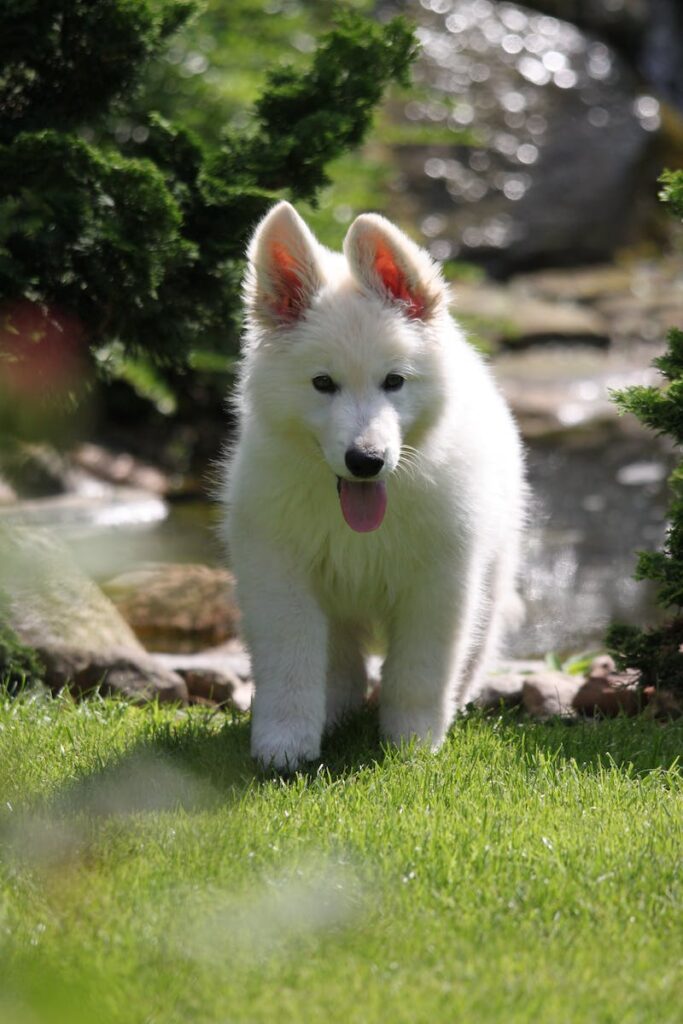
375, 495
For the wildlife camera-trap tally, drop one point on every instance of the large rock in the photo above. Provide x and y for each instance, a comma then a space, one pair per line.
83, 641
177, 607
559, 137
124, 671
650, 32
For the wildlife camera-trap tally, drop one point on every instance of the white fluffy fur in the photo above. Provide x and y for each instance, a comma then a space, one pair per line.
435, 585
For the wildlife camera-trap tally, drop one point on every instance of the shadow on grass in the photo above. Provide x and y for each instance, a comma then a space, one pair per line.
633, 744
202, 763
638, 743
195, 763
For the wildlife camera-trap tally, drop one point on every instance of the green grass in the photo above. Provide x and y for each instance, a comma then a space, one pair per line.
527, 872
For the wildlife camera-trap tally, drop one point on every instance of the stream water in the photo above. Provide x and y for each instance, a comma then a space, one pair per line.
594, 505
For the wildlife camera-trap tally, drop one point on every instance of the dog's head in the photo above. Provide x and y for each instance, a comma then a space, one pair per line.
345, 349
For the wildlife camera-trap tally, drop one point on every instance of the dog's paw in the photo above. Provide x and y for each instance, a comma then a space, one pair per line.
284, 754
400, 727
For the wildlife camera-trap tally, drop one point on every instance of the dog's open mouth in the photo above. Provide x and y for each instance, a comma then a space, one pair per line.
363, 504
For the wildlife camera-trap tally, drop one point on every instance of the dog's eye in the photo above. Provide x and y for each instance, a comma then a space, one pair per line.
393, 382
325, 384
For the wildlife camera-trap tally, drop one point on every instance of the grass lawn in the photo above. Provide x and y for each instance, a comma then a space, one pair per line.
526, 873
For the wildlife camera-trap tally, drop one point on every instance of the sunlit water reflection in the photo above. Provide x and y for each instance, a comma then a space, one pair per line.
593, 508
555, 116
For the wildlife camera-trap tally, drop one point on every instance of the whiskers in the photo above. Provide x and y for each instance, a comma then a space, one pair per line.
410, 462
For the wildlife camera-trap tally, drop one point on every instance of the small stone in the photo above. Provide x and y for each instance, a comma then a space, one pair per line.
610, 696
220, 688
220, 675
121, 468
501, 690
551, 693
608, 692
601, 667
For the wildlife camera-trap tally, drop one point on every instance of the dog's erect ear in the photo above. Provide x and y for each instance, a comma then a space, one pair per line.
283, 271
387, 262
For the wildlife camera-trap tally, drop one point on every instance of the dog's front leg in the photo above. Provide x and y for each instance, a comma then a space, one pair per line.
287, 636
424, 658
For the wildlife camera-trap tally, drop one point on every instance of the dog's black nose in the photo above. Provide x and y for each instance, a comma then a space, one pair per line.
363, 464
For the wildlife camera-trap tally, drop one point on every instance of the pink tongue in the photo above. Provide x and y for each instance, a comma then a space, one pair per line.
363, 505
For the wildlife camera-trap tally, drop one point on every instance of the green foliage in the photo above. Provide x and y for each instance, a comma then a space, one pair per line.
329, 109
19, 665
672, 191
142, 240
661, 409
656, 652
575, 665
93, 233
63, 63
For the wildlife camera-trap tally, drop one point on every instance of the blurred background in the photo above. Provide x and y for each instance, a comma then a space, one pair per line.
522, 149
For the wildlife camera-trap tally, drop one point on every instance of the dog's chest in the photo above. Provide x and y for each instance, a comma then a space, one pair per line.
364, 575
353, 588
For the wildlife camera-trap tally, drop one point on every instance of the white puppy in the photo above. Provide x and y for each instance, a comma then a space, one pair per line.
375, 496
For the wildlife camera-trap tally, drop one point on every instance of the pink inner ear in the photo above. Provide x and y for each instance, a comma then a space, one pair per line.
394, 280
289, 298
